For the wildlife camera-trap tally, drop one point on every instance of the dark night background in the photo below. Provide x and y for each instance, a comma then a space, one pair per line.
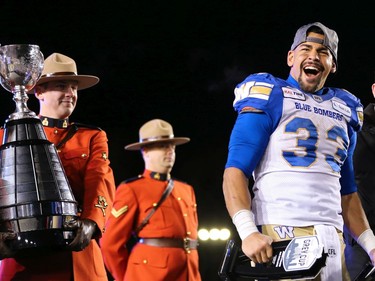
180, 61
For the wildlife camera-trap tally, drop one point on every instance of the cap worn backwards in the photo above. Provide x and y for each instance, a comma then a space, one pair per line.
330, 40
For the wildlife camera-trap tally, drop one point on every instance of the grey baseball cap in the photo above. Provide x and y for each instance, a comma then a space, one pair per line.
331, 40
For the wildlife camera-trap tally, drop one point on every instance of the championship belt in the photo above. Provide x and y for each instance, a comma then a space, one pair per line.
299, 258
367, 273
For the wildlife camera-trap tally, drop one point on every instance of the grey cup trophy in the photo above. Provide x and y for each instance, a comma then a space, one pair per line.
35, 196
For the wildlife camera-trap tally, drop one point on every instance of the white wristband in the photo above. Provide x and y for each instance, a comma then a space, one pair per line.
367, 240
244, 222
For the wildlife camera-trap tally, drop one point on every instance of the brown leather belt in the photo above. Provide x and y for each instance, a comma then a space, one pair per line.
186, 243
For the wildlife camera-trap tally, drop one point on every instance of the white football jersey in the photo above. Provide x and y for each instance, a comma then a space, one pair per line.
297, 179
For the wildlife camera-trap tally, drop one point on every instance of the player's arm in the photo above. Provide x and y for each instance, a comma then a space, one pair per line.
356, 222
355, 219
247, 144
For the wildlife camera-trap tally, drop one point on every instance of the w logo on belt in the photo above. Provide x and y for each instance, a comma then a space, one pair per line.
284, 231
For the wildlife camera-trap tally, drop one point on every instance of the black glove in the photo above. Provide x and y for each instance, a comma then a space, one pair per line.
85, 230
5, 250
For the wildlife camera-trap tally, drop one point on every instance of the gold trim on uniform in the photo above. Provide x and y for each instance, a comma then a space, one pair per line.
117, 213
52, 122
102, 204
160, 177
45, 121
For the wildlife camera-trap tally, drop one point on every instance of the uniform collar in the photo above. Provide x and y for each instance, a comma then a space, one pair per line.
54, 123
156, 175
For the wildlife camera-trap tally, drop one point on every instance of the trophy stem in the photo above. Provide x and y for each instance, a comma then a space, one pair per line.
20, 97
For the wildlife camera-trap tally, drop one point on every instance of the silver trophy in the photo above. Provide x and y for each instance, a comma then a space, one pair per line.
20, 69
36, 199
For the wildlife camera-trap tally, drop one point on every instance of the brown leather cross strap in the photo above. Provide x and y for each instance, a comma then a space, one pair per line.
134, 235
72, 130
186, 243
165, 194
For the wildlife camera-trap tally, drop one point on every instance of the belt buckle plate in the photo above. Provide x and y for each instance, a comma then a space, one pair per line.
187, 244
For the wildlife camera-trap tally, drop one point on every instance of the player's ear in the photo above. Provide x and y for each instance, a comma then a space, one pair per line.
334, 67
290, 58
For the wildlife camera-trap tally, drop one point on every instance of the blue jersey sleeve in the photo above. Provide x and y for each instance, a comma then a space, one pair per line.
347, 180
248, 141
257, 94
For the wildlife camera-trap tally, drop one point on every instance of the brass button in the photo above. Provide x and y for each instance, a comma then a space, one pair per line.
55, 132
185, 215
84, 155
144, 261
188, 233
179, 198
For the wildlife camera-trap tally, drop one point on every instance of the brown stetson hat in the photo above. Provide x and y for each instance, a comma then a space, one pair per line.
156, 131
61, 67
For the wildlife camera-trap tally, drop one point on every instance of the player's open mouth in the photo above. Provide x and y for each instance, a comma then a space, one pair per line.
311, 70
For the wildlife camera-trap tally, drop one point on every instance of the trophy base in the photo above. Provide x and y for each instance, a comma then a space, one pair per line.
40, 241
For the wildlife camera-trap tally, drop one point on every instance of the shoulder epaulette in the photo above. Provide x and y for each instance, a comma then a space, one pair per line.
81, 125
132, 179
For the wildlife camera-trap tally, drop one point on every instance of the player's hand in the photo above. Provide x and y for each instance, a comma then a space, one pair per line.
85, 230
5, 250
257, 247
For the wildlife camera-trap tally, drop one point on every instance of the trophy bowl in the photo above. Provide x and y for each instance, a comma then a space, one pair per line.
21, 66
36, 200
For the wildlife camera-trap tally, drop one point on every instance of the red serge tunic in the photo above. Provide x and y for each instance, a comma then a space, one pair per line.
176, 217
85, 160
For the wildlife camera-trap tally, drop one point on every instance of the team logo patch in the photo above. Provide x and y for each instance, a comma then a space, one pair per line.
284, 231
293, 94
342, 108
317, 98
253, 89
331, 251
